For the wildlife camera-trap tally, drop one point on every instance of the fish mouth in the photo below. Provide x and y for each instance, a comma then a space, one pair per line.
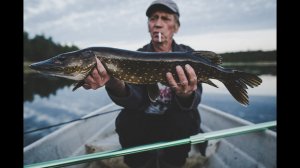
45, 66
36, 66
48, 68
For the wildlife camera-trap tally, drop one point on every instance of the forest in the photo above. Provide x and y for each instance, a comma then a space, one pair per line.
40, 48
250, 56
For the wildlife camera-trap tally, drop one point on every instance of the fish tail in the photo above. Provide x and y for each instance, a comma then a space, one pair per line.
237, 85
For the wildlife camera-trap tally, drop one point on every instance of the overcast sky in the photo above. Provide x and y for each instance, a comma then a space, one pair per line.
216, 25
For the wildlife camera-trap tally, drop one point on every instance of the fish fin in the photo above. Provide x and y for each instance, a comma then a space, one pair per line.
237, 85
210, 83
78, 85
209, 55
248, 79
153, 92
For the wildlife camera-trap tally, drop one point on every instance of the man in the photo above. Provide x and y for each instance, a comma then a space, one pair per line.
173, 115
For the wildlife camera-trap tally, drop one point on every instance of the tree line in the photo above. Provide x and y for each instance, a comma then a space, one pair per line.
41, 48
250, 56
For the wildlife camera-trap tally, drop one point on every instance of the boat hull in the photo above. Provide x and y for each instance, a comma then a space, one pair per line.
257, 149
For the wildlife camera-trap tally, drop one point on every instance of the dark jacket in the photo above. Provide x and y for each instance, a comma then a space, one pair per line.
137, 100
137, 127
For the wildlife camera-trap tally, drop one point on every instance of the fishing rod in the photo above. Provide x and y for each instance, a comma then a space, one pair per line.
199, 138
67, 122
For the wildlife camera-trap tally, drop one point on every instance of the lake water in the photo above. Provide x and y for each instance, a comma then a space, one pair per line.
57, 104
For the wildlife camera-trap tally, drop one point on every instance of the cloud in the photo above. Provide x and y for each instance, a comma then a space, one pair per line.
232, 41
85, 23
227, 15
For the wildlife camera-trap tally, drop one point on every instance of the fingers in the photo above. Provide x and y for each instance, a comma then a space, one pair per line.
92, 80
192, 76
187, 81
86, 86
97, 78
182, 77
171, 80
101, 70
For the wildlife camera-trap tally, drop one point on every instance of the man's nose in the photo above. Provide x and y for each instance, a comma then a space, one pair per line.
158, 23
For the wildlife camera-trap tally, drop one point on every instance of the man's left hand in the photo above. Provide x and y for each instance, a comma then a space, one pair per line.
187, 83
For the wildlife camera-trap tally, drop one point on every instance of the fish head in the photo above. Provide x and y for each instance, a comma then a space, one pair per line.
72, 65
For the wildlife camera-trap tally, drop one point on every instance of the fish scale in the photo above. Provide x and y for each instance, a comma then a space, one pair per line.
148, 68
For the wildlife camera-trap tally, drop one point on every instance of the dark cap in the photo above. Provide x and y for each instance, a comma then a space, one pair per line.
166, 5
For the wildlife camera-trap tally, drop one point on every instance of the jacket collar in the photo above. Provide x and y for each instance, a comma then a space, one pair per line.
175, 47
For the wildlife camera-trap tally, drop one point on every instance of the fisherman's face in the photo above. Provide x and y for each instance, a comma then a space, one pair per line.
162, 22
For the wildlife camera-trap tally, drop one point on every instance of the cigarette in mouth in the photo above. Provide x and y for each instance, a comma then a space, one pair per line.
159, 36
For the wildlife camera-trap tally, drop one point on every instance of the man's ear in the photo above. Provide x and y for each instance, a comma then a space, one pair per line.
148, 27
176, 31
176, 27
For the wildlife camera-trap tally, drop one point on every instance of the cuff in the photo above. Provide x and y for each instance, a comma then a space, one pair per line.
129, 101
188, 104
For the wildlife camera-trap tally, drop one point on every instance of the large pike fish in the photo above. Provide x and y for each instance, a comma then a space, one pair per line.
148, 68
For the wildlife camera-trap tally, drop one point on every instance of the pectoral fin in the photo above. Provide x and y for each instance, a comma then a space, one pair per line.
78, 85
210, 83
153, 92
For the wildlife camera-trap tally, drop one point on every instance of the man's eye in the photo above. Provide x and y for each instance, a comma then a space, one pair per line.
166, 18
151, 19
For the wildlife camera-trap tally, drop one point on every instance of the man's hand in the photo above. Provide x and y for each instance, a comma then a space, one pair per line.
186, 85
97, 78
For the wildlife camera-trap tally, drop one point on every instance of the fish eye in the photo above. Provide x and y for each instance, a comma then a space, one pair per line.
59, 60
86, 54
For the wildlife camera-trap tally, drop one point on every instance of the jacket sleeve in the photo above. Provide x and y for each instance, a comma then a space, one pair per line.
136, 98
193, 102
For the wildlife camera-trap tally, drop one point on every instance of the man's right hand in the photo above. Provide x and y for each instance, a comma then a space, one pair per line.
98, 77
